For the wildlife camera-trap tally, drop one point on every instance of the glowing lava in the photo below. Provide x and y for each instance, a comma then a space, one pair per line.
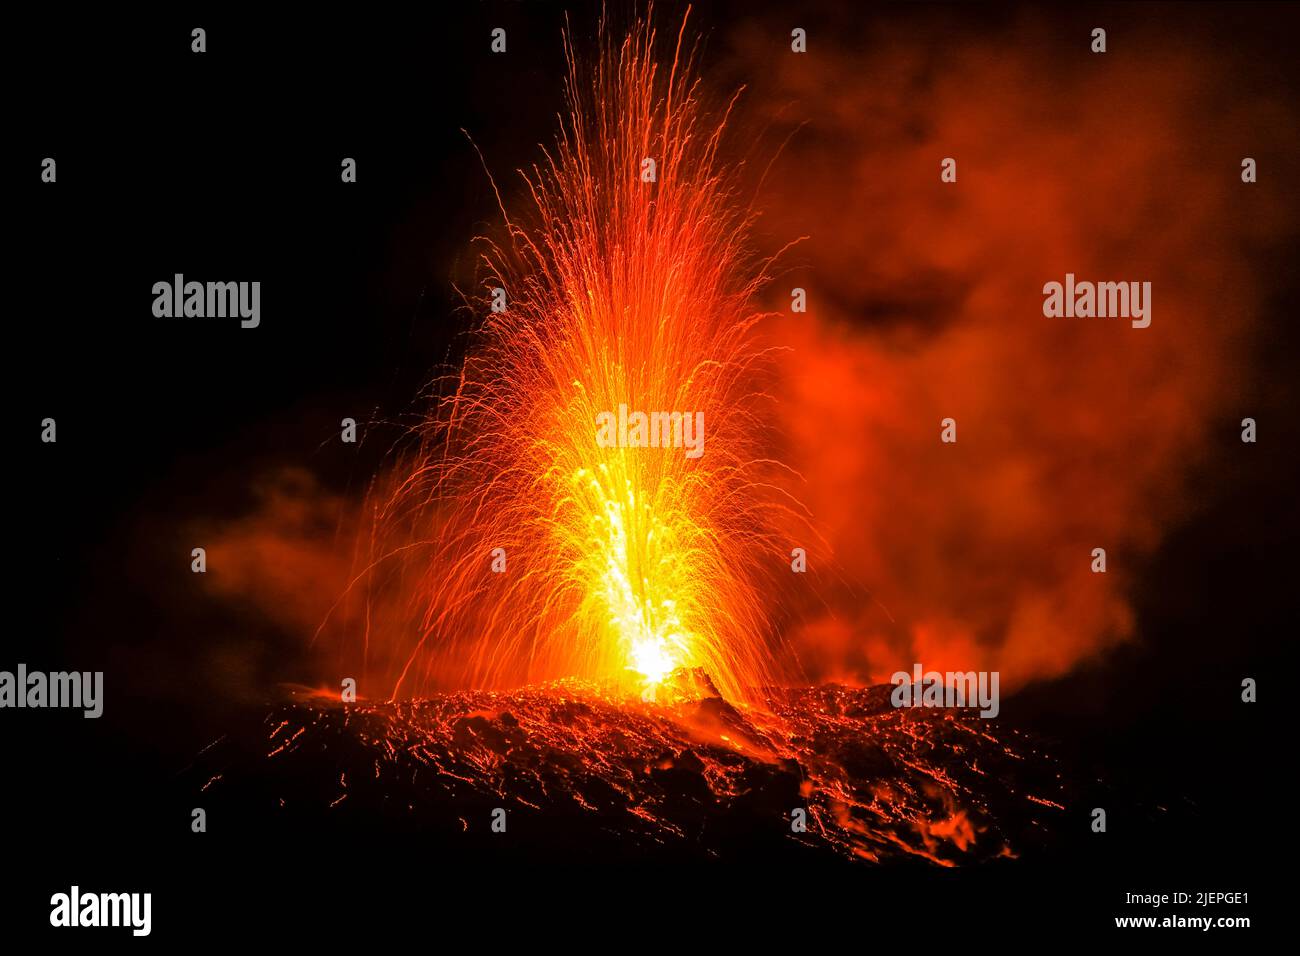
632, 570
533, 550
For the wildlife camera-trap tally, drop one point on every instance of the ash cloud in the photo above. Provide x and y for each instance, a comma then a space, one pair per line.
926, 302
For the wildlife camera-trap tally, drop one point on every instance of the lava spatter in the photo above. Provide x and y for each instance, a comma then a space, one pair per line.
582, 773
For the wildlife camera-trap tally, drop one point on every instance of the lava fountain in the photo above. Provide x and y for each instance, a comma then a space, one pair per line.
529, 548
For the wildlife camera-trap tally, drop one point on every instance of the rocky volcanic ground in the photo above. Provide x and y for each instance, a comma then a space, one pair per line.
583, 777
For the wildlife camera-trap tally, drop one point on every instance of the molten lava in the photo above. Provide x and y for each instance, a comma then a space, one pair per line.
529, 550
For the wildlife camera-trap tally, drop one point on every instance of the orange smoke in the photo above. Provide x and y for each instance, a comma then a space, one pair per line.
926, 303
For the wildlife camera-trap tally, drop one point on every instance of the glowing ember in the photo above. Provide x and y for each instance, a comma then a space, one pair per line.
627, 288
694, 779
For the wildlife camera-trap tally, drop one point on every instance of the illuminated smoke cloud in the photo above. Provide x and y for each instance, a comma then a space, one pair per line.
925, 302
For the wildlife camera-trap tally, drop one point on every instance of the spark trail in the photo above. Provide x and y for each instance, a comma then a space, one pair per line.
622, 564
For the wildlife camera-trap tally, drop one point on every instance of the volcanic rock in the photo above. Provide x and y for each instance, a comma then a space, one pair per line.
583, 775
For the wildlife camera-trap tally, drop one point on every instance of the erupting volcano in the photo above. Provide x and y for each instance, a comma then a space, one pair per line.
567, 588
651, 470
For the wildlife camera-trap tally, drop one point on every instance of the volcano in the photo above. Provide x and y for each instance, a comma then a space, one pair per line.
569, 771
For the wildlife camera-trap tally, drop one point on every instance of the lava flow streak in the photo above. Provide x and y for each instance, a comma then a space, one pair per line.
628, 284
